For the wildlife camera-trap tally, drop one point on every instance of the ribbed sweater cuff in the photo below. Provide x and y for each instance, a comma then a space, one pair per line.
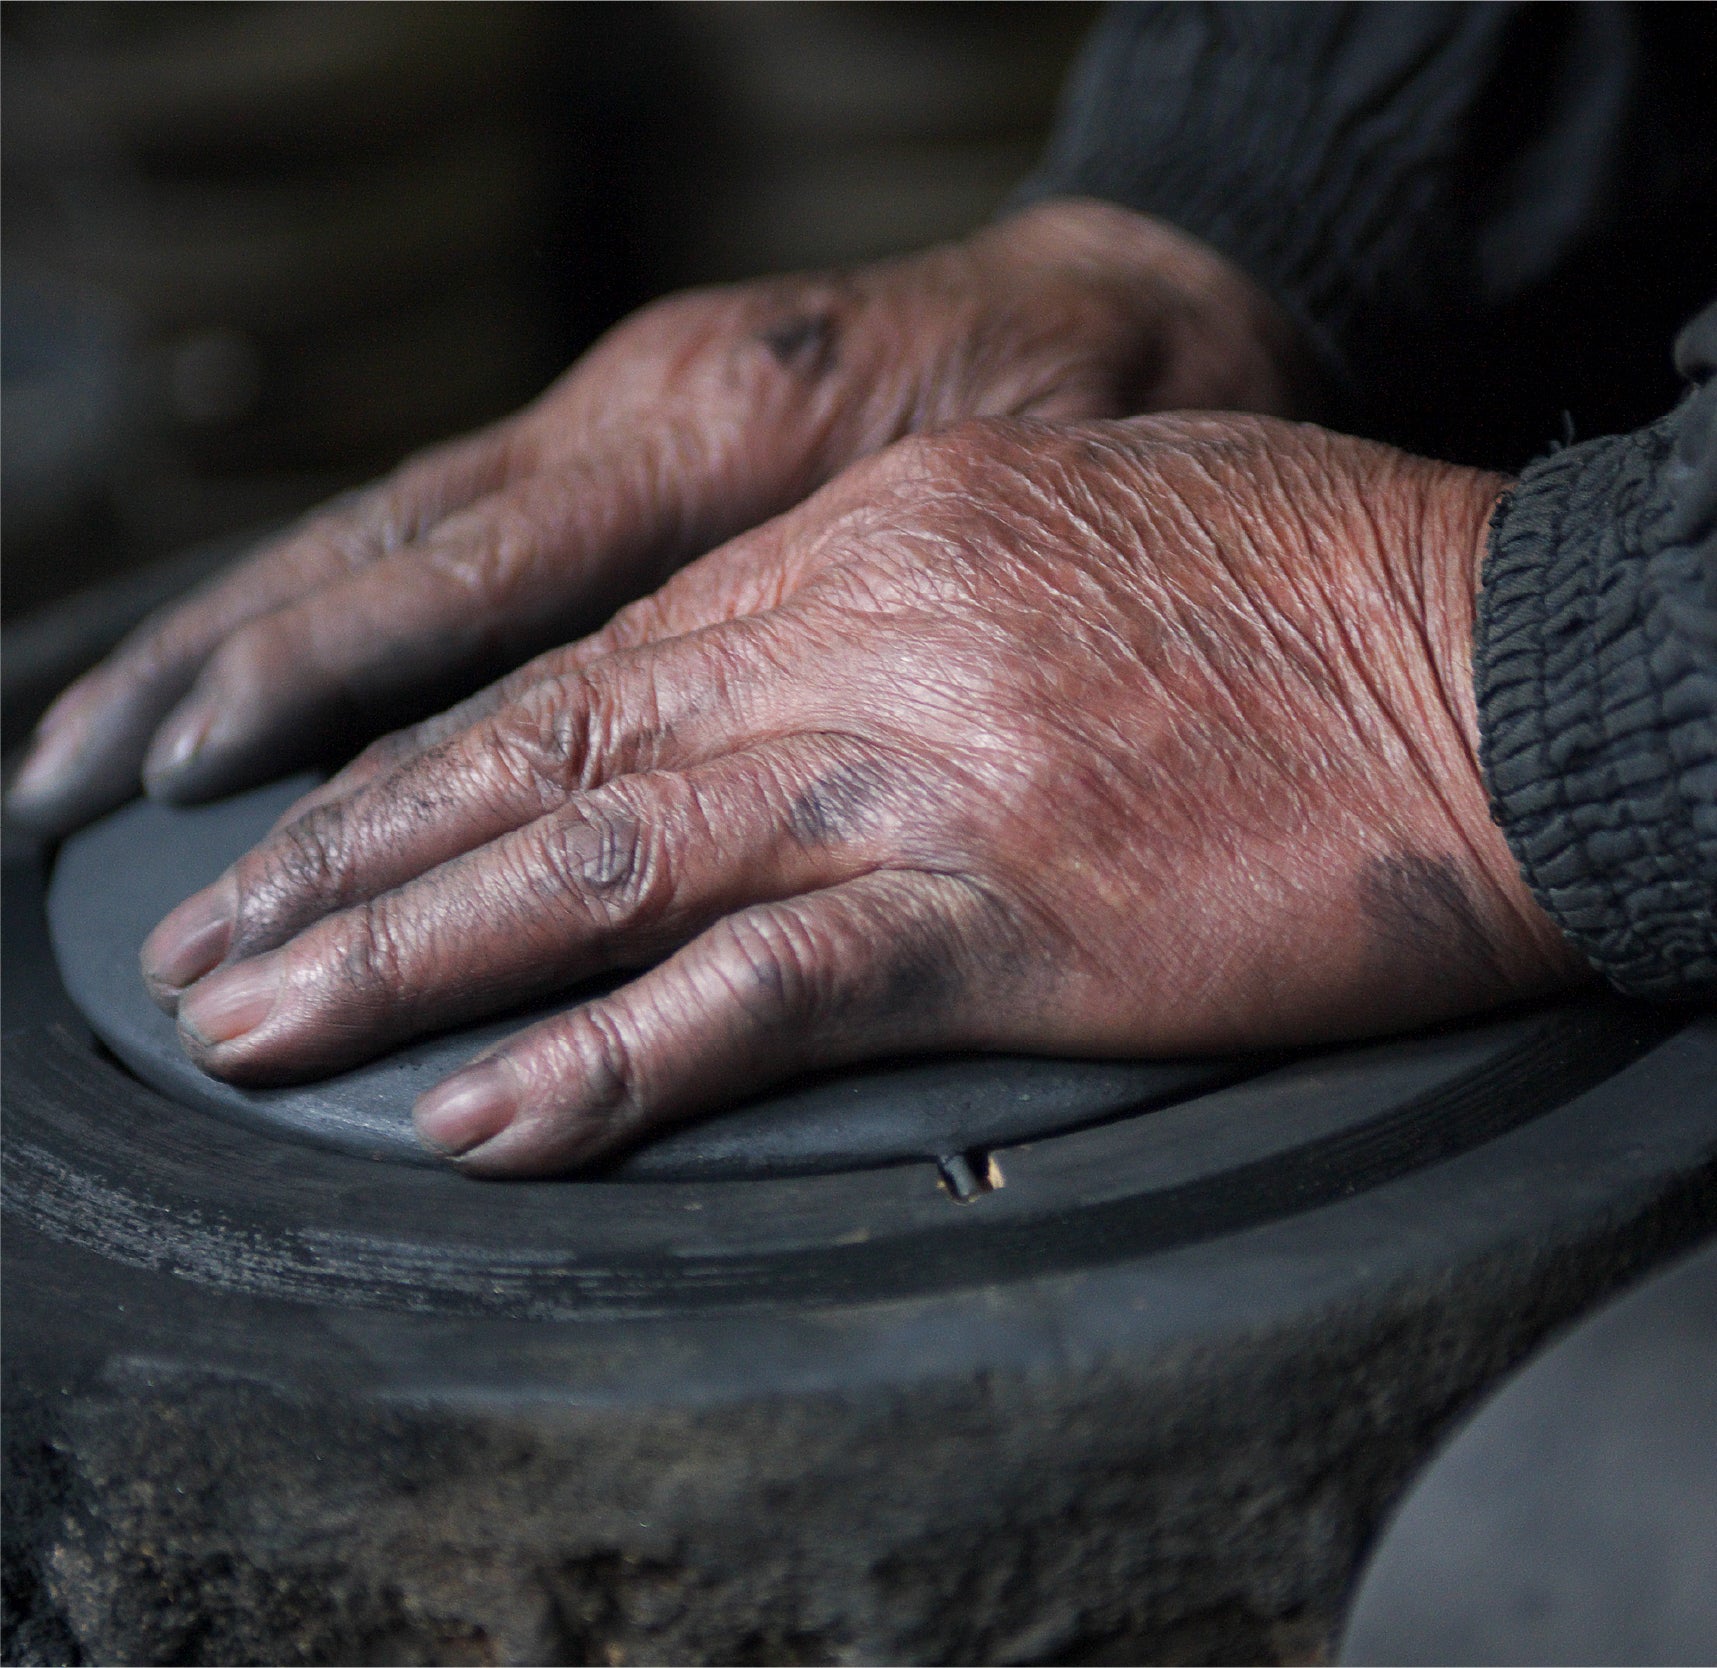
1595, 659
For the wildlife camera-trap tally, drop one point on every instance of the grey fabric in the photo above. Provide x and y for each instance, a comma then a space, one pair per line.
1596, 665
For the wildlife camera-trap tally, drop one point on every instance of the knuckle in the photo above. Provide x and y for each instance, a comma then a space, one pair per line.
312, 854
161, 646
305, 868
911, 462
601, 1058
889, 964
539, 746
665, 348
487, 567
801, 335
636, 623
385, 752
370, 955
689, 309
776, 965
348, 534
180, 635
605, 860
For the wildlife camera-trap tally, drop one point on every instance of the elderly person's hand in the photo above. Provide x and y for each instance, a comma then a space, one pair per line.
1106, 737
698, 418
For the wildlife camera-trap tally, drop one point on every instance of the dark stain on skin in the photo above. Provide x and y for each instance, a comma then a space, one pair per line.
1422, 905
834, 807
910, 973
804, 344
926, 973
303, 879
920, 976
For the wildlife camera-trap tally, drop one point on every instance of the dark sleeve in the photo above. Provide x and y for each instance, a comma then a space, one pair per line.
1452, 202
1595, 657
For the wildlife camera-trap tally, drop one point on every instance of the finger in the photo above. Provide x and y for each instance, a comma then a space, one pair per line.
669, 706
749, 575
488, 586
887, 963
617, 877
90, 745
753, 573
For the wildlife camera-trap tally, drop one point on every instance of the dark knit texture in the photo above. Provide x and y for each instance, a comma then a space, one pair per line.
1449, 201
1596, 664
1314, 146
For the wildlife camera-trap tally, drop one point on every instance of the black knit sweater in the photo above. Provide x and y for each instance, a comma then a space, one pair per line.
1486, 222
1596, 661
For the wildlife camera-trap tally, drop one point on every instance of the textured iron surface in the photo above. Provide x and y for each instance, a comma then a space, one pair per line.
1145, 1400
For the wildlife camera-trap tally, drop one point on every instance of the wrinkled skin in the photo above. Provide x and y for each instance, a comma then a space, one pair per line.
695, 420
1107, 737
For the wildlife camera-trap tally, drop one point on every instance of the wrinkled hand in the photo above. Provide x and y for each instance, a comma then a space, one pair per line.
698, 418
1110, 738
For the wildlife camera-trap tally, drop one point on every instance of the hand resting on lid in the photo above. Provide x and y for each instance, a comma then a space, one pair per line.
1106, 737
699, 417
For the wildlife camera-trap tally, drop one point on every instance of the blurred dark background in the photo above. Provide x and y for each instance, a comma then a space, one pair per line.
254, 253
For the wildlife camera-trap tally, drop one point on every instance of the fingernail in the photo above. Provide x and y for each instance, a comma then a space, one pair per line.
232, 1003
175, 748
468, 1109
190, 941
56, 745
